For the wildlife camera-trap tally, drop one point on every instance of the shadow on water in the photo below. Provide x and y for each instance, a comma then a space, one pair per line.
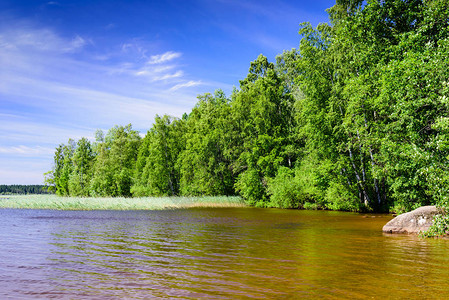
214, 253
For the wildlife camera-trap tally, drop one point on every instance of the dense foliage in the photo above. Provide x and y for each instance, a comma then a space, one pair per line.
23, 189
355, 119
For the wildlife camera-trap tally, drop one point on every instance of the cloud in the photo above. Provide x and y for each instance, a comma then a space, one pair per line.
76, 43
134, 47
48, 94
186, 84
27, 151
177, 74
158, 68
163, 58
157, 74
69, 105
24, 170
17, 133
26, 38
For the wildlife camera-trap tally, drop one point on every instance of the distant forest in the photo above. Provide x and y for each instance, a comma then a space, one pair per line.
356, 118
23, 189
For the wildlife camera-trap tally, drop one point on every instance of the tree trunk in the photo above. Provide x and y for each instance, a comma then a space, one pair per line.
365, 199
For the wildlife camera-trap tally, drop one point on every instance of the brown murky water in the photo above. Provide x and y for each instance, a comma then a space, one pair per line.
214, 253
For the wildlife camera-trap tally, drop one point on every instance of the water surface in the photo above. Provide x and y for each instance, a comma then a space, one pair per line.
214, 253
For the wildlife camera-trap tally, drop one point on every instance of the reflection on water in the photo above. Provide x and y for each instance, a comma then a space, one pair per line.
214, 253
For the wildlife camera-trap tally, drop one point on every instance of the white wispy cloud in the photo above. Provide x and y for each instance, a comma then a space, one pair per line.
185, 85
177, 74
27, 151
136, 48
48, 94
25, 170
163, 58
33, 133
76, 43
157, 74
159, 67
38, 39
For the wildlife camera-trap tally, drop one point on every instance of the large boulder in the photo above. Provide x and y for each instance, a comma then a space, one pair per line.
415, 221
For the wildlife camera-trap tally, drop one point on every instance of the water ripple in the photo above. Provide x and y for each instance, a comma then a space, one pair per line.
213, 253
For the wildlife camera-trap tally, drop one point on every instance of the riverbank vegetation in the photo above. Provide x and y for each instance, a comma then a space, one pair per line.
116, 203
356, 118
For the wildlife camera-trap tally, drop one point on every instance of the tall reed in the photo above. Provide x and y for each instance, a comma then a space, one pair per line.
143, 203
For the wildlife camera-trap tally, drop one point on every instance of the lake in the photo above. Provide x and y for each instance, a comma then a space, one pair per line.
214, 253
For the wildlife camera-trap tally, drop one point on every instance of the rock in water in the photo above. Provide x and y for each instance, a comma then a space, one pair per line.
415, 221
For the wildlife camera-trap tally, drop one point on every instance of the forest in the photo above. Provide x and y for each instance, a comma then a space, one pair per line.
23, 189
356, 118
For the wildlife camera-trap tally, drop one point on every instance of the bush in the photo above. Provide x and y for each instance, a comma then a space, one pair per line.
284, 189
311, 206
140, 191
251, 187
439, 227
339, 198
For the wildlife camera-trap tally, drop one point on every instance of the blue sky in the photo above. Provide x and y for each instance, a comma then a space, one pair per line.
70, 67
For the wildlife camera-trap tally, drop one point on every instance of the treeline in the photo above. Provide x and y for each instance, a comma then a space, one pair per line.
355, 119
23, 189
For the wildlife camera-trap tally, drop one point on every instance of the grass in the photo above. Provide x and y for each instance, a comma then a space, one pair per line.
143, 203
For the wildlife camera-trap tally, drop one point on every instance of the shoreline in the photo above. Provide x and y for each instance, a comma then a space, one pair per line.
53, 202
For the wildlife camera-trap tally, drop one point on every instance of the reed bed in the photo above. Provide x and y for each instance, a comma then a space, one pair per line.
142, 203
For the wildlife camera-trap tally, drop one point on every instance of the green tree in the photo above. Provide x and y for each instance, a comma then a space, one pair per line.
320, 113
115, 162
156, 165
82, 160
393, 77
205, 164
58, 178
262, 111
341, 110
